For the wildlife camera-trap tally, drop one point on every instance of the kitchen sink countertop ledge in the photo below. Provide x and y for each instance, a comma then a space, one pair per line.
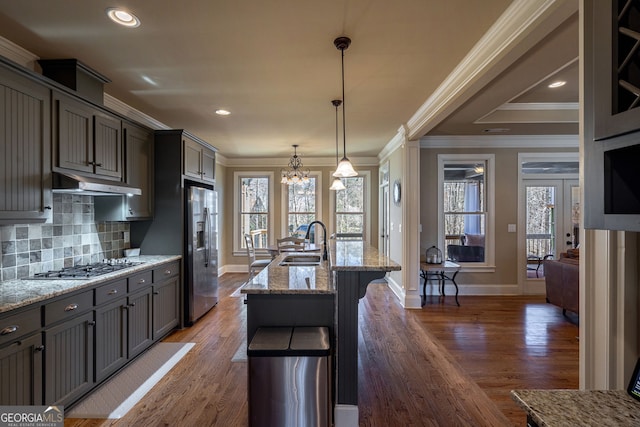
280, 279
22, 292
347, 255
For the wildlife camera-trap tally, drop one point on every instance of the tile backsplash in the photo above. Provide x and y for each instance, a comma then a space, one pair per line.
72, 238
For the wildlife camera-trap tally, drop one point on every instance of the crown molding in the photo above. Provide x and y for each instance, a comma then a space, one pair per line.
501, 141
531, 106
523, 24
15, 53
395, 143
307, 161
116, 105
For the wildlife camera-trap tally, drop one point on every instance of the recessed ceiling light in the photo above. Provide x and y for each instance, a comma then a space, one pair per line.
558, 84
122, 17
222, 112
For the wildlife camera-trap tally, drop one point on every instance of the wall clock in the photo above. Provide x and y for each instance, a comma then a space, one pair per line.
397, 192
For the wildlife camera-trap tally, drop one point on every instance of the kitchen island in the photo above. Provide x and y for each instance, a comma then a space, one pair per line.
322, 295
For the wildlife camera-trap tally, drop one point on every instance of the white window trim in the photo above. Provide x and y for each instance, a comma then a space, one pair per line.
488, 266
367, 207
238, 250
285, 202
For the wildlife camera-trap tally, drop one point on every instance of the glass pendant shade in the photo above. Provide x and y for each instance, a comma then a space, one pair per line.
337, 185
345, 169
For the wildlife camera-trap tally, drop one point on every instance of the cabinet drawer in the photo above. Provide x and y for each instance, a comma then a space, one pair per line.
166, 271
68, 307
140, 280
111, 291
19, 324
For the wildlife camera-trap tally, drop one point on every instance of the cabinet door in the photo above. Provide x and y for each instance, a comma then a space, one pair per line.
74, 134
616, 82
192, 158
108, 146
139, 170
21, 372
111, 338
208, 165
69, 360
25, 148
140, 322
165, 307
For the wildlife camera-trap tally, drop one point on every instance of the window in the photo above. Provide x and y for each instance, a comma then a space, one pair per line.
350, 207
254, 201
302, 205
466, 184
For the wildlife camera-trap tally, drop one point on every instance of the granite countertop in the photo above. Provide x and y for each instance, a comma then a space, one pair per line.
358, 255
553, 408
344, 255
277, 279
22, 292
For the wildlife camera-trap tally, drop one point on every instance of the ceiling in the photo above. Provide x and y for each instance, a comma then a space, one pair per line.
274, 66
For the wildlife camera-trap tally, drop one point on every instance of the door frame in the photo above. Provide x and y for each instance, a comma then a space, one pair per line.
383, 215
535, 286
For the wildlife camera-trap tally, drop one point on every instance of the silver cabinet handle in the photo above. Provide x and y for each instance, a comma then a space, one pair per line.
112, 292
167, 272
71, 307
142, 281
9, 330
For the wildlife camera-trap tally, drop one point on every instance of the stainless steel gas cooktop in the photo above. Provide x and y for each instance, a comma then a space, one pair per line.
86, 271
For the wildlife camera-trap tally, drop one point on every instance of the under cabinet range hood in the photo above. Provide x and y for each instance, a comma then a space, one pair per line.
91, 186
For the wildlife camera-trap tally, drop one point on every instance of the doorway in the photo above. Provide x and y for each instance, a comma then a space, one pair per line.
549, 216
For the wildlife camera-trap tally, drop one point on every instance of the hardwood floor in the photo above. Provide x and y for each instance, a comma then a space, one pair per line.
440, 366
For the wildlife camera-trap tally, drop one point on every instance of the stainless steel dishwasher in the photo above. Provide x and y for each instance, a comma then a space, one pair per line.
290, 377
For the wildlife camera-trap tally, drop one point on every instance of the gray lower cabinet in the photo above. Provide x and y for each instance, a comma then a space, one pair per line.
140, 331
21, 371
69, 360
111, 328
166, 295
56, 352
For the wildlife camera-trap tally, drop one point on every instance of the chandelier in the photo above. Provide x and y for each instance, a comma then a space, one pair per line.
295, 172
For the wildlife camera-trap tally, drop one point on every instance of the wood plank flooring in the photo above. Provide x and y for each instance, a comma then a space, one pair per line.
440, 366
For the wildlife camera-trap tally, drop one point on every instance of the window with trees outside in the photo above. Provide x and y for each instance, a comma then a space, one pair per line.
302, 205
254, 204
465, 212
350, 207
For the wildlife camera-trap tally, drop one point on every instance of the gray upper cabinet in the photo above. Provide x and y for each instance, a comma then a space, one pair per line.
139, 170
616, 83
612, 115
86, 139
25, 186
108, 145
199, 161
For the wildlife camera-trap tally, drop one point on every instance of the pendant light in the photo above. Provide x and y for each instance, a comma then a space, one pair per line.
344, 169
337, 182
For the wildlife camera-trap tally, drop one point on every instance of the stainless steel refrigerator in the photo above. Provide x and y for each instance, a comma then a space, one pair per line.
201, 263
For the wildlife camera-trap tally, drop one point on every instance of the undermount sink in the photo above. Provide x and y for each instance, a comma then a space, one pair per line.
300, 260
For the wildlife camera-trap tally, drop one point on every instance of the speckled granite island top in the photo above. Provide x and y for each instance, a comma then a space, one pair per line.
22, 292
348, 255
579, 407
277, 279
357, 255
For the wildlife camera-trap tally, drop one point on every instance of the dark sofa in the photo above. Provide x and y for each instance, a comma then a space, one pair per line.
563, 283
